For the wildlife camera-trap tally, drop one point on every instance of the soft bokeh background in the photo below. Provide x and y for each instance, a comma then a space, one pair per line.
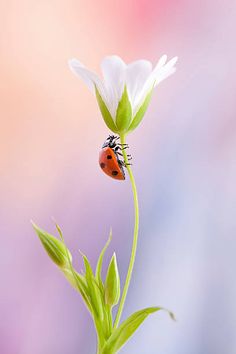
184, 160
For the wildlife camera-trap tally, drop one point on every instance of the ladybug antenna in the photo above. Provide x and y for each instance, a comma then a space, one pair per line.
113, 137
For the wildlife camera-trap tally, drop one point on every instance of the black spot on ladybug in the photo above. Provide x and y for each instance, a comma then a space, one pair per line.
102, 164
114, 173
109, 157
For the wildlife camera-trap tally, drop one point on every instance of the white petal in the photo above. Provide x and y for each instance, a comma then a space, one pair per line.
163, 75
86, 75
165, 71
171, 62
136, 76
113, 70
161, 62
160, 72
90, 79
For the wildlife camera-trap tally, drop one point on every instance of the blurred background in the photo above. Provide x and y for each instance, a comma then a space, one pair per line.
183, 158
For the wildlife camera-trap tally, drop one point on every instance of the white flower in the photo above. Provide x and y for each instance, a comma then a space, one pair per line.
125, 91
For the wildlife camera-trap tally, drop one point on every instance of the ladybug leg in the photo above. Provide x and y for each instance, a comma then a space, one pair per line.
128, 156
118, 148
123, 145
119, 153
127, 164
123, 164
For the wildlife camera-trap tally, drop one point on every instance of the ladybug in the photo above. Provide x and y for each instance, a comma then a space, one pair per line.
109, 159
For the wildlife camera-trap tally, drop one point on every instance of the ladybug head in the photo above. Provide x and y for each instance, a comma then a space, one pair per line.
110, 141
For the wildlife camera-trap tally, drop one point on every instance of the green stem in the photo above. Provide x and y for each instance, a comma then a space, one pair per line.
99, 330
109, 314
135, 237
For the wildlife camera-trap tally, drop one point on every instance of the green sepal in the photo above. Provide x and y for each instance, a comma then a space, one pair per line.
94, 290
122, 334
142, 110
105, 112
112, 283
100, 262
124, 112
56, 250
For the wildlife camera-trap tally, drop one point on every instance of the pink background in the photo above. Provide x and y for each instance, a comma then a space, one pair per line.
184, 160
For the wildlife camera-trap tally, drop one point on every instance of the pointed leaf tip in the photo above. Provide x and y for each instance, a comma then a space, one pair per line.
100, 261
54, 247
172, 316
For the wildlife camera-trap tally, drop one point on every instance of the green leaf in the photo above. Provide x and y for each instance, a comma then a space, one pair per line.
54, 247
124, 112
121, 335
77, 280
90, 292
100, 262
142, 110
105, 112
94, 290
112, 283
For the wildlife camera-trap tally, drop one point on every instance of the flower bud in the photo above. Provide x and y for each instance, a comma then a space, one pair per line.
112, 283
54, 247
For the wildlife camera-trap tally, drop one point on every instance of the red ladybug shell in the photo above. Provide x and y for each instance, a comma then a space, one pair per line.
108, 162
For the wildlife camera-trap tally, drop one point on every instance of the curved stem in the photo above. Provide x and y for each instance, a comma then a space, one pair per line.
135, 237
